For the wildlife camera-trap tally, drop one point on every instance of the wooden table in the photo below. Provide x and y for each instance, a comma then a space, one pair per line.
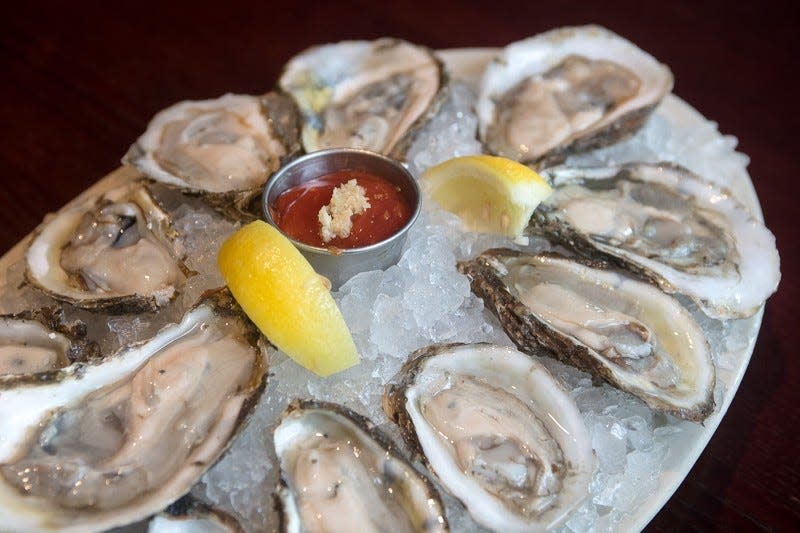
80, 82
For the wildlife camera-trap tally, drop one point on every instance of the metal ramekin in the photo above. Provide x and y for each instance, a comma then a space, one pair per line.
341, 265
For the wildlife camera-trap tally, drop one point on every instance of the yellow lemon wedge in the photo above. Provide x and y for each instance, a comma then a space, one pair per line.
490, 194
288, 301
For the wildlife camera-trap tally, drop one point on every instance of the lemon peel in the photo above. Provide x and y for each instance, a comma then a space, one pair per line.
490, 194
288, 301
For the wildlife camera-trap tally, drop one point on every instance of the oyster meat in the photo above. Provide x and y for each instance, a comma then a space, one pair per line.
42, 341
605, 322
663, 222
339, 473
567, 90
223, 149
115, 252
189, 515
99, 445
364, 94
497, 430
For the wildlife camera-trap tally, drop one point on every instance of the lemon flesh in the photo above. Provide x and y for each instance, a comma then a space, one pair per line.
288, 301
489, 194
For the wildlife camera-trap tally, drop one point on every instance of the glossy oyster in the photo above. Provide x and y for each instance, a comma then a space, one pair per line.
189, 515
42, 341
663, 222
94, 446
497, 430
605, 322
339, 473
567, 90
223, 149
115, 251
364, 94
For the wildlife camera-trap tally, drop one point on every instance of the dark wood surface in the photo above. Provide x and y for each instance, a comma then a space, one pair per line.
79, 82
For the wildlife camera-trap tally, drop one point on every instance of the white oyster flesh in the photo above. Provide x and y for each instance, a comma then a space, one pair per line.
361, 94
97, 446
167, 524
217, 145
28, 347
337, 477
551, 92
115, 248
644, 339
502, 436
690, 236
191, 516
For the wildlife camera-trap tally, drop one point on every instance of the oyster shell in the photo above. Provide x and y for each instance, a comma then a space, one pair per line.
222, 149
339, 473
674, 228
42, 341
94, 446
567, 90
618, 328
497, 430
189, 515
364, 94
114, 252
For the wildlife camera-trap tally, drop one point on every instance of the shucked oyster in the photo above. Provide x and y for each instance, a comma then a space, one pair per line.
623, 330
116, 252
339, 473
497, 430
42, 341
661, 221
363, 94
567, 90
94, 446
223, 149
189, 515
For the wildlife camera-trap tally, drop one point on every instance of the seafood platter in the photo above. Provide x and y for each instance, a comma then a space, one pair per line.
563, 378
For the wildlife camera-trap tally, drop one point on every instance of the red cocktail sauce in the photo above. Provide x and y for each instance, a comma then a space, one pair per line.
296, 210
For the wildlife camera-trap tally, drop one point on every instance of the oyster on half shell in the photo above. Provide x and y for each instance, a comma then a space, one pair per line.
565, 91
605, 322
364, 94
222, 149
99, 445
115, 252
42, 341
669, 225
497, 430
339, 473
189, 515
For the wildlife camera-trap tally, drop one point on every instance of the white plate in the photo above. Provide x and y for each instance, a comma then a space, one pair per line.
468, 65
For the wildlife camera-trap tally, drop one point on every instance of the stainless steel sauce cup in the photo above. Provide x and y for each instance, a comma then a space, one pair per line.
342, 264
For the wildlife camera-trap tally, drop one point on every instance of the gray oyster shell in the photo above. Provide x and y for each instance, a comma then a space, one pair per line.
189, 515
565, 91
497, 430
223, 150
667, 225
374, 95
42, 340
107, 443
618, 328
115, 251
332, 458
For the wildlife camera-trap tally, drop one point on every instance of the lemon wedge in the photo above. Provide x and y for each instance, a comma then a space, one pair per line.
288, 301
490, 194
